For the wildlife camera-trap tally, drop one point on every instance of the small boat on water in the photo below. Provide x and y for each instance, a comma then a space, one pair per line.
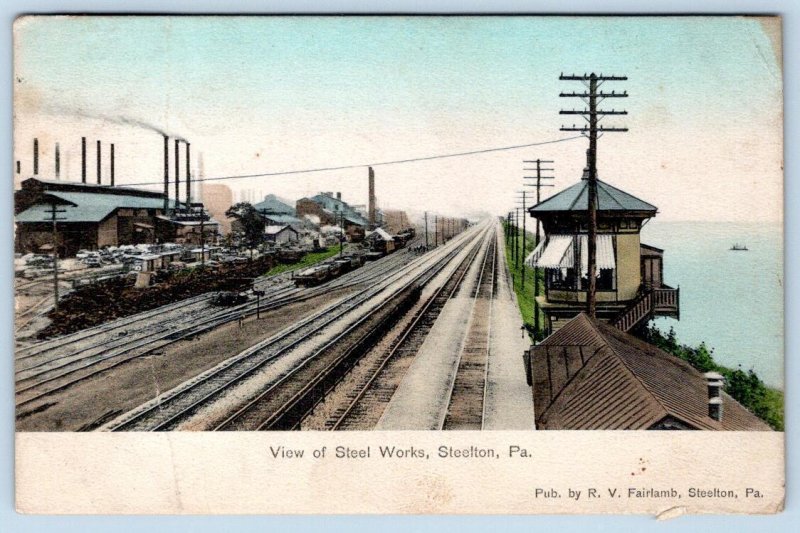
738, 248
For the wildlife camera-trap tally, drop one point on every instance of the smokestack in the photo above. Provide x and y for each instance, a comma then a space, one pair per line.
58, 161
112, 164
714, 381
201, 173
19, 167
35, 157
83, 159
188, 177
166, 174
339, 196
177, 173
371, 206
99, 172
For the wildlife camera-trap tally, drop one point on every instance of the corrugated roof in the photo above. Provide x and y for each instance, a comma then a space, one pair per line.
590, 375
576, 198
273, 204
89, 207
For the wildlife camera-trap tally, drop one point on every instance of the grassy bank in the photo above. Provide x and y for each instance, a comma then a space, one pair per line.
744, 386
524, 289
308, 260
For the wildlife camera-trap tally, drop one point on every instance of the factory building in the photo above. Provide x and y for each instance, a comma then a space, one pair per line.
280, 234
192, 225
330, 210
217, 198
93, 216
590, 375
285, 220
272, 205
278, 212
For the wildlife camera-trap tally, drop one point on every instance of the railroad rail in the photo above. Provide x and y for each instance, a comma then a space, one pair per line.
467, 393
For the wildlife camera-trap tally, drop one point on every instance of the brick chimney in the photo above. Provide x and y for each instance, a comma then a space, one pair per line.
371, 199
714, 382
83, 159
35, 156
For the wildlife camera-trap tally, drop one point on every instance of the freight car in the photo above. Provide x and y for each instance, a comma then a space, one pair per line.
328, 270
403, 238
313, 276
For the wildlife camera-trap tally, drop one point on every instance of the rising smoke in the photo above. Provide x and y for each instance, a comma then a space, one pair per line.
114, 119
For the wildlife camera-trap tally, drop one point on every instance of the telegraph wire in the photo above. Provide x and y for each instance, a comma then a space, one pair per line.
363, 165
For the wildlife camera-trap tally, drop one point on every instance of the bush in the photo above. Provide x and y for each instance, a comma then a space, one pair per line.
744, 387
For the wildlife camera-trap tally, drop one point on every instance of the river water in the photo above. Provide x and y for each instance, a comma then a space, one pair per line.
731, 300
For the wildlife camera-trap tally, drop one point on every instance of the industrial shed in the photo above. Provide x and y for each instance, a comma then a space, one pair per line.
280, 234
93, 216
590, 375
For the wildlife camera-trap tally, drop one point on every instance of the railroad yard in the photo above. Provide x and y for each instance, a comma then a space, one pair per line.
418, 339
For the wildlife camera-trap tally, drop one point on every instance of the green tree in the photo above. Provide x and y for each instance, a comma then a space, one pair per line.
250, 222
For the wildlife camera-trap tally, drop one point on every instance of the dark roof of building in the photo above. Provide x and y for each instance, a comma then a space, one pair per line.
645, 250
74, 186
590, 375
87, 206
576, 198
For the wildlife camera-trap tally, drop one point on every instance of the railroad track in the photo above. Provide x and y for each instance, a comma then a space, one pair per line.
372, 392
185, 313
158, 315
285, 404
38, 380
189, 322
170, 409
467, 393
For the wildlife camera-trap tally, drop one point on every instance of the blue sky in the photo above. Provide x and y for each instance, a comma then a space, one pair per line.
267, 94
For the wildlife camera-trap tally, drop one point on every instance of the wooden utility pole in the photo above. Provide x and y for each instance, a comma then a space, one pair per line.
516, 237
524, 234
590, 98
54, 219
341, 236
538, 186
436, 229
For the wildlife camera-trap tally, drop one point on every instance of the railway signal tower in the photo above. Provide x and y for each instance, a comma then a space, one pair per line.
592, 96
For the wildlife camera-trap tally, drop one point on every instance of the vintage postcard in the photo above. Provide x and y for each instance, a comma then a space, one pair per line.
402, 264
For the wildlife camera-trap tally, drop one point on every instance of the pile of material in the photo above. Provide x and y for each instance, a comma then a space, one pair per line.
115, 298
